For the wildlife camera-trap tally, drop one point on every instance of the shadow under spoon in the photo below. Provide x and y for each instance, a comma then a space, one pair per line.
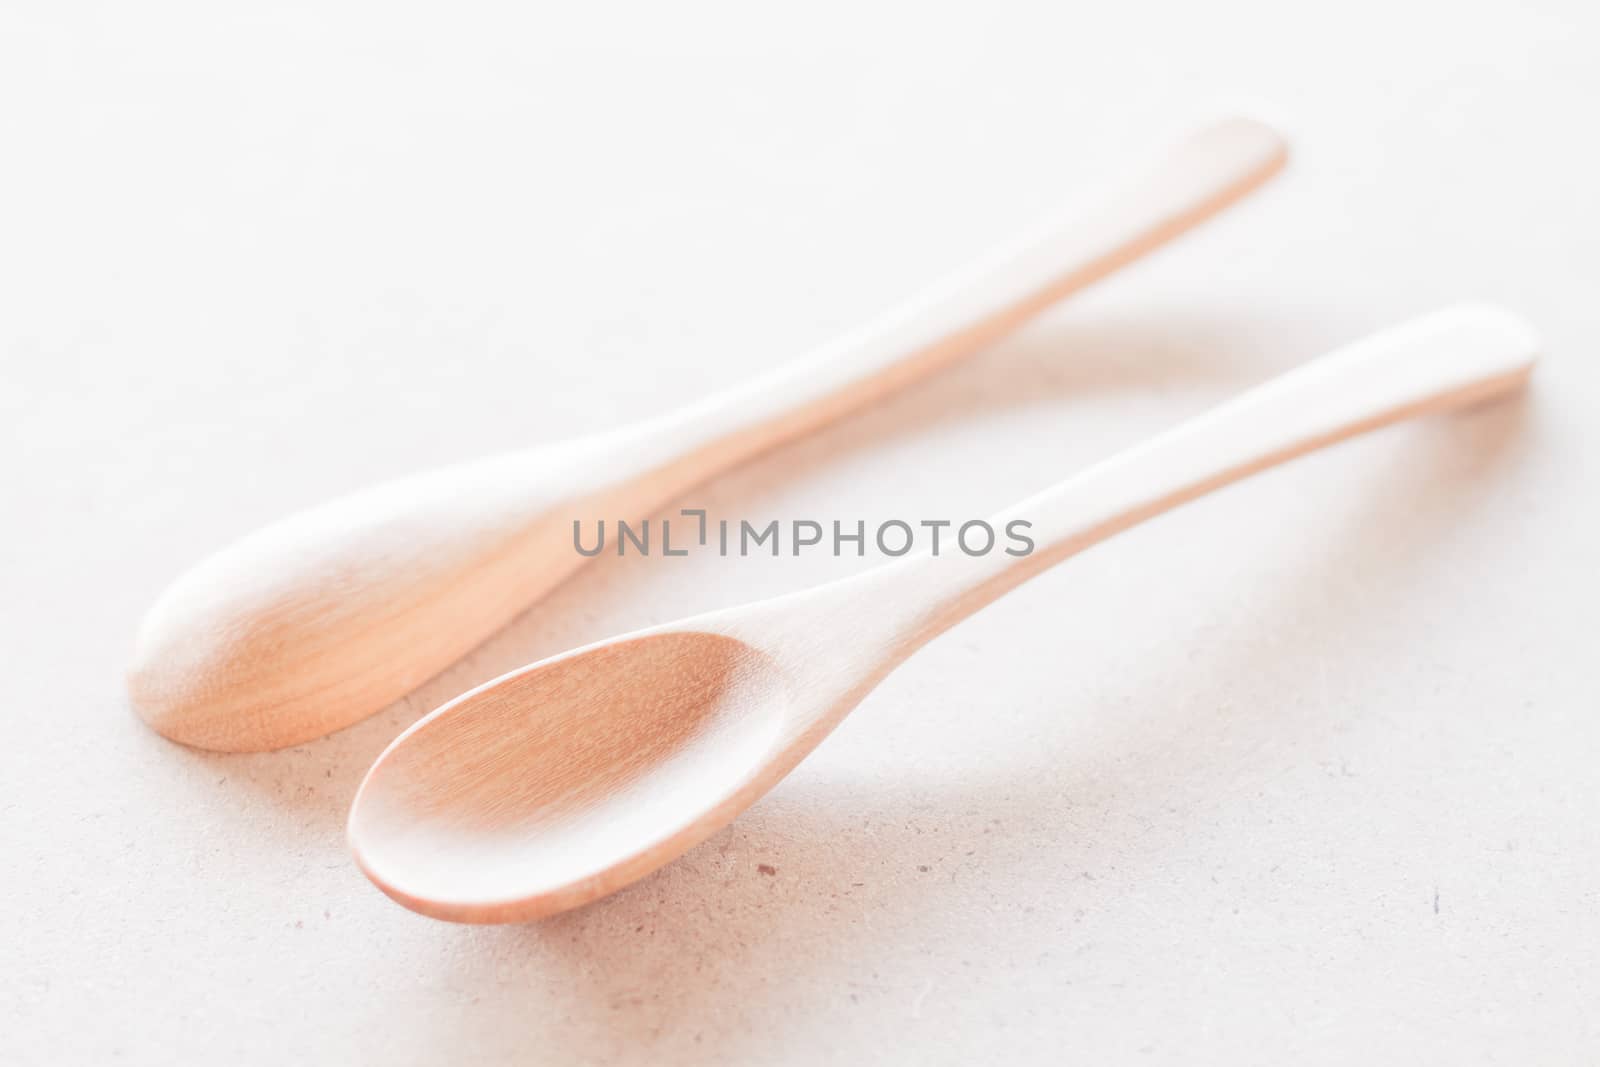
565, 780
326, 617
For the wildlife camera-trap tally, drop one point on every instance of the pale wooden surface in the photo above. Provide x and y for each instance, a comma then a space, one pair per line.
1319, 790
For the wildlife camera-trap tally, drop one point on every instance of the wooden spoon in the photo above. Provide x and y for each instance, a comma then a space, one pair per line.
324, 618
566, 780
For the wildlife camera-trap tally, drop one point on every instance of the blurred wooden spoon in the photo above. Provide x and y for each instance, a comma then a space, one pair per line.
326, 617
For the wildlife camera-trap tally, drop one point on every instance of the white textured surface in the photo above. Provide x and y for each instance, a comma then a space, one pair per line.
1304, 773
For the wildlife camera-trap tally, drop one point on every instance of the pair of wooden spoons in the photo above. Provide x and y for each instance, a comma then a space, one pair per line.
565, 780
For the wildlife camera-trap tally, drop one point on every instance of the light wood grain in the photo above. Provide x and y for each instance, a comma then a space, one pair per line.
568, 779
324, 618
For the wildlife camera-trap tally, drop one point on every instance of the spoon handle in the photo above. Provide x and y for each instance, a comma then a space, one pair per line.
1214, 167
1447, 359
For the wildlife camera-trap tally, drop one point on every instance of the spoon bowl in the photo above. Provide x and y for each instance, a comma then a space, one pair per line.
566, 778
561, 782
